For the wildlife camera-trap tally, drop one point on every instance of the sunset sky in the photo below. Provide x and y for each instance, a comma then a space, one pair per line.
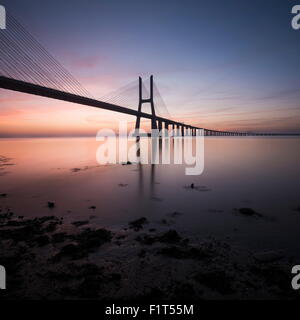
228, 65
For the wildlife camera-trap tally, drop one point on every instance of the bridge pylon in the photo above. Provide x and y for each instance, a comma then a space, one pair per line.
141, 102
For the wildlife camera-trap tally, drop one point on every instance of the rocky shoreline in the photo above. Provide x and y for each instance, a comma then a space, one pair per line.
47, 258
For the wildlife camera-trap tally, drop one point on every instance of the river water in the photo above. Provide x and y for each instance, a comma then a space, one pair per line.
261, 173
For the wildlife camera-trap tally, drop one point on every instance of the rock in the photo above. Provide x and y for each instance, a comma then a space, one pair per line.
59, 237
248, 212
92, 207
192, 186
42, 240
175, 214
28, 230
170, 237
70, 250
86, 242
80, 223
89, 239
20, 234
122, 185
167, 222
51, 205
3, 195
268, 256
138, 224
126, 163
146, 239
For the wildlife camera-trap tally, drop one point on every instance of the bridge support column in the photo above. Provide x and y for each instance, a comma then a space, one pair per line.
142, 101
159, 125
138, 118
167, 128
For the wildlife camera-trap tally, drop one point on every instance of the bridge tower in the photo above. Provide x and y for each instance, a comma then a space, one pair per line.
142, 101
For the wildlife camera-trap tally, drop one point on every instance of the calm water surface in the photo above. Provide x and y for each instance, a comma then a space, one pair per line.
255, 172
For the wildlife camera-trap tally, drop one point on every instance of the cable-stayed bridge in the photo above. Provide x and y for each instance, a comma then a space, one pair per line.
26, 66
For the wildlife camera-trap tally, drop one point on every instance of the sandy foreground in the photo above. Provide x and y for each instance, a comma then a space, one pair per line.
46, 258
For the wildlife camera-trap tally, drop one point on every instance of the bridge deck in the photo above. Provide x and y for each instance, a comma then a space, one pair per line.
26, 87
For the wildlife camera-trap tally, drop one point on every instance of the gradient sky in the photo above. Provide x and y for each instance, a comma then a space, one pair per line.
226, 64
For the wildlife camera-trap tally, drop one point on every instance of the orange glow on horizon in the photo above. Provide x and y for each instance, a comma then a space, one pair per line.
27, 115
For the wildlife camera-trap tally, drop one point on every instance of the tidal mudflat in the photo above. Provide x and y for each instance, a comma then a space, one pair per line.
49, 259
70, 228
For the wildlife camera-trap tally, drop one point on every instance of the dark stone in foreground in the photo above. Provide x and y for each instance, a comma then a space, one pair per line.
128, 163
80, 223
59, 237
42, 240
28, 230
249, 212
138, 224
51, 205
170, 236
86, 242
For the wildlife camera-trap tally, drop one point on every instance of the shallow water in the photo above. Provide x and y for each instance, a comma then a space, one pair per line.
256, 172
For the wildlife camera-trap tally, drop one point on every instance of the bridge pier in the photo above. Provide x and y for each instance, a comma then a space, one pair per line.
167, 128
178, 130
159, 125
141, 102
